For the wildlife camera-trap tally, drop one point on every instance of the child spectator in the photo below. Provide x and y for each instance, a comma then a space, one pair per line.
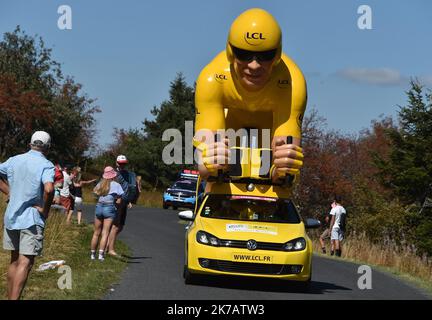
58, 183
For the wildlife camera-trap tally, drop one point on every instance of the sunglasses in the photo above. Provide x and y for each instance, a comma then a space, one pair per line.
248, 56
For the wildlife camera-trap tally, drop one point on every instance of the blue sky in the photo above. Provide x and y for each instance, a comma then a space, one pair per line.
125, 53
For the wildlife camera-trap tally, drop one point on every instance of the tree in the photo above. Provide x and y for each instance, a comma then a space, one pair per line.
171, 114
408, 171
35, 95
144, 146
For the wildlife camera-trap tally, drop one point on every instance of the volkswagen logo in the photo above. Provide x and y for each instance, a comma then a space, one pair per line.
251, 245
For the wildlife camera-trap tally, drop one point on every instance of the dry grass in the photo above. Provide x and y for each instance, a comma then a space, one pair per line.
59, 241
401, 260
151, 199
4, 257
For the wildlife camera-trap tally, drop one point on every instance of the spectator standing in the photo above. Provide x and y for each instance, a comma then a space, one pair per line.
76, 192
337, 213
30, 177
109, 194
58, 182
127, 179
326, 234
66, 199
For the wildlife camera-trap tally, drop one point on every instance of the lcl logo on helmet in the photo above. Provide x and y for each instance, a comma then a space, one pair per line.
251, 36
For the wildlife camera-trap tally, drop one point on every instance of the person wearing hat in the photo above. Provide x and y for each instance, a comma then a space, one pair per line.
252, 84
30, 178
109, 194
127, 179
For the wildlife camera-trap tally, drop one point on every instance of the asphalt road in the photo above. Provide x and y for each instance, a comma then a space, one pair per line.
155, 267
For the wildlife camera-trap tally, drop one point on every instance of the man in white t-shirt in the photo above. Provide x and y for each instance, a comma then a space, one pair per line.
336, 227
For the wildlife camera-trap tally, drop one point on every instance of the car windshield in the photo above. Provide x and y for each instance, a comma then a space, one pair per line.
250, 208
185, 184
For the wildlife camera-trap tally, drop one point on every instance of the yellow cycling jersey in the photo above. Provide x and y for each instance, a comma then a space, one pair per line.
221, 101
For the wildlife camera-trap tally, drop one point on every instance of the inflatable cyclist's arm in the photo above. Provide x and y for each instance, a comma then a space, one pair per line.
209, 113
288, 117
287, 120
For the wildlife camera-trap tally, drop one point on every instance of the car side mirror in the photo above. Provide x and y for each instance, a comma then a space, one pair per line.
186, 215
312, 223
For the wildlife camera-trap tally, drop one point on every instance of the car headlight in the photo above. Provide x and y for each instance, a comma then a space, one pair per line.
295, 245
207, 239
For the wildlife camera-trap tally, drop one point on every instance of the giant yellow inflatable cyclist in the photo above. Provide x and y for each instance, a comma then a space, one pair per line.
251, 84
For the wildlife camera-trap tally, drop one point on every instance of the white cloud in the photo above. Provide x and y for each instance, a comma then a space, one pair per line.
375, 76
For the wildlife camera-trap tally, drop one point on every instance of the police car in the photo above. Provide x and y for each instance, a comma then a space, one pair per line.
183, 193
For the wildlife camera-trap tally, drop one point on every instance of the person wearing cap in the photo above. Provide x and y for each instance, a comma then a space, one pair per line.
252, 84
30, 178
127, 179
109, 194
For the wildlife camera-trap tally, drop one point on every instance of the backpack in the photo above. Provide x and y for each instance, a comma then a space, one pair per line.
133, 193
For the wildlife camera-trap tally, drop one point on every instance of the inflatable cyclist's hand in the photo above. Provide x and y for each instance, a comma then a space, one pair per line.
287, 159
215, 156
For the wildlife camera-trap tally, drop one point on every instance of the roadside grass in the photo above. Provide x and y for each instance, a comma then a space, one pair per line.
90, 279
401, 261
149, 199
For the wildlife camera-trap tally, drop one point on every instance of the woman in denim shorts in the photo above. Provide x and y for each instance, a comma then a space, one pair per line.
109, 194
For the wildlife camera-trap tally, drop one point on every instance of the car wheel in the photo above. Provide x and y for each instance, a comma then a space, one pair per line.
305, 286
175, 208
189, 278
165, 206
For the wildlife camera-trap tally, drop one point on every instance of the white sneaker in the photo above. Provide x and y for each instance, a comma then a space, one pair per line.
92, 256
101, 257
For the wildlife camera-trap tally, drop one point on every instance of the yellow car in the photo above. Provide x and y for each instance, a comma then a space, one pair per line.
247, 229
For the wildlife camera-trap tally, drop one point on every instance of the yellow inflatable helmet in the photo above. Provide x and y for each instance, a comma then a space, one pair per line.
255, 30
